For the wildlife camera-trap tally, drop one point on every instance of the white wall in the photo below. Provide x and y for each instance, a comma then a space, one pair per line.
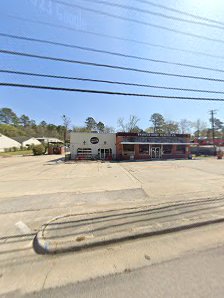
106, 141
31, 141
6, 142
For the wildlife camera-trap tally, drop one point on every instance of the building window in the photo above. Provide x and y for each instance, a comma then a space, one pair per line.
181, 149
167, 149
144, 149
128, 148
84, 151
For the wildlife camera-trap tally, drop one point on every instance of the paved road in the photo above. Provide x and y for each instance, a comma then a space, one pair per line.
197, 275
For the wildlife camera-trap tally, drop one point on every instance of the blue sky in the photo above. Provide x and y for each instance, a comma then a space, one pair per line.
51, 105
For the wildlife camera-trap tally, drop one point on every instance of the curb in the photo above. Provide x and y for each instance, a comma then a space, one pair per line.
43, 247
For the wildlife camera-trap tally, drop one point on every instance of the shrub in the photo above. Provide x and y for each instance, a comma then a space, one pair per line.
30, 147
14, 149
38, 149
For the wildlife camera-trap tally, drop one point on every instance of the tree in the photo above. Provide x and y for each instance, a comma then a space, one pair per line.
24, 120
131, 125
109, 129
170, 127
185, 126
67, 123
149, 130
201, 128
10, 130
43, 123
91, 123
218, 124
100, 126
80, 129
120, 123
158, 122
7, 116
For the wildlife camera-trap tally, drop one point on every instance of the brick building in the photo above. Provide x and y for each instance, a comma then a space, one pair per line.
151, 146
128, 146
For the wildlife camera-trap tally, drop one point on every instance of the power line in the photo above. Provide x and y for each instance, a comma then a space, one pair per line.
139, 22
22, 54
115, 37
181, 12
162, 15
107, 92
111, 53
107, 81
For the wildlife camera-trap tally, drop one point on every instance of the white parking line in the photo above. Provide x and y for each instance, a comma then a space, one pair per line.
23, 227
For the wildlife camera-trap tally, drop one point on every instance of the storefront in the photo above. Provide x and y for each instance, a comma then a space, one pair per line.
134, 146
93, 146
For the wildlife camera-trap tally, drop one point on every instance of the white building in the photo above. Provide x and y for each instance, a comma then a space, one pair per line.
26, 141
6, 143
49, 140
92, 145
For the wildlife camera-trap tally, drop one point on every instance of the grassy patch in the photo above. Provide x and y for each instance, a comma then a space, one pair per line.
22, 152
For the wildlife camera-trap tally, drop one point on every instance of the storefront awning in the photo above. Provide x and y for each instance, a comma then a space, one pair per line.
147, 143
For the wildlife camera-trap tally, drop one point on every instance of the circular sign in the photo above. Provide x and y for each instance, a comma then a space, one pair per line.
94, 140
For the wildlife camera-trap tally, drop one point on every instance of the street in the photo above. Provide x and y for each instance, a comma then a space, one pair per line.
196, 275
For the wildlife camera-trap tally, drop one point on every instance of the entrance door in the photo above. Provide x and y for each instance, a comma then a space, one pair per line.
105, 153
155, 152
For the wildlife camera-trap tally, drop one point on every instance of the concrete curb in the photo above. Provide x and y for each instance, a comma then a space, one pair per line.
42, 246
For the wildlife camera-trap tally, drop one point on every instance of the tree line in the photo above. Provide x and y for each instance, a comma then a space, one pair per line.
161, 125
13, 125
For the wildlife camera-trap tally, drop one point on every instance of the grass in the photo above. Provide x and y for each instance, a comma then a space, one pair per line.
21, 152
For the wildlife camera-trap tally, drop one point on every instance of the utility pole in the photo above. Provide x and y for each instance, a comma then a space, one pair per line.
212, 113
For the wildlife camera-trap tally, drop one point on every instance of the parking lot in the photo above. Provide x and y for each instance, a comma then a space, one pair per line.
34, 190
160, 180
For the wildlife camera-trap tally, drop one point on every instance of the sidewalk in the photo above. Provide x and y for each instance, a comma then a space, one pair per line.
81, 231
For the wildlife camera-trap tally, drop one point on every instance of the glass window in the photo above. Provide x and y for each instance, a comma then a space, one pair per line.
129, 148
144, 149
181, 148
167, 149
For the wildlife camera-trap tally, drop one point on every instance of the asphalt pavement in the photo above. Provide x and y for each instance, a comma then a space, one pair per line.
196, 275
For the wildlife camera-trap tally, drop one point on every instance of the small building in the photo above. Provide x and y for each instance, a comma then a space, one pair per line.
6, 143
27, 141
137, 146
49, 140
93, 145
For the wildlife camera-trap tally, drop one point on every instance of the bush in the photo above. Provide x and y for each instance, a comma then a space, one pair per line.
14, 149
38, 150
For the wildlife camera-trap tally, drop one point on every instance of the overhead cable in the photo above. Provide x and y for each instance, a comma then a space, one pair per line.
198, 17
137, 21
109, 66
114, 37
108, 81
162, 15
112, 53
4, 84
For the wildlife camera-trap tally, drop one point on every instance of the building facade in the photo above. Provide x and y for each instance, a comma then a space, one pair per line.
137, 146
129, 146
26, 141
93, 145
6, 143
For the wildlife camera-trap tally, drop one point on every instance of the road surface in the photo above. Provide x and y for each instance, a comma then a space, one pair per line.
196, 275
